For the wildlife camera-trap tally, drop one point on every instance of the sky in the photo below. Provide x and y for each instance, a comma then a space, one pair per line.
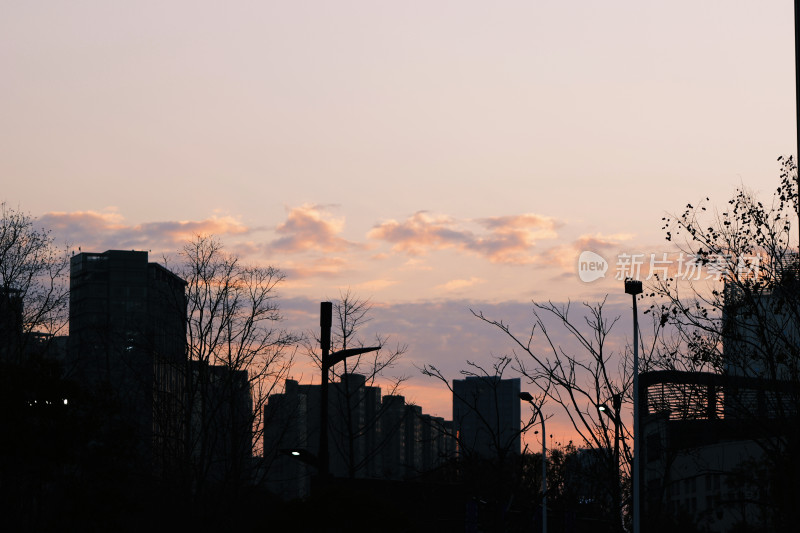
434, 157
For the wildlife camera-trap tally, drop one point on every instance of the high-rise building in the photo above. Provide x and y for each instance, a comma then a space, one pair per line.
486, 416
354, 426
393, 431
760, 332
222, 422
127, 338
369, 436
433, 443
286, 430
18, 344
413, 440
10, 325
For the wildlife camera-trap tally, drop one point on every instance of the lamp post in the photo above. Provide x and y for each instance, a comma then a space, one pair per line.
328, 360
526, 397
797, 90
634, 287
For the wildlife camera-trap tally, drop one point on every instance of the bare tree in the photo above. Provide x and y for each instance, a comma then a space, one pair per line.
33, 308
236, 355
34, 288
739, 317
482, 404
589, 382
745, 318
487, 432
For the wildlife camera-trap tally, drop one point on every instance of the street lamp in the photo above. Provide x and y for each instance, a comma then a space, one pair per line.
328, 360
634, 287
526, 397
302, 455
606, 410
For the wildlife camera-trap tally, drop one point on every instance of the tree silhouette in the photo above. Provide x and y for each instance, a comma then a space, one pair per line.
487, 460
34, 288
589, 382
744, 324
237, 354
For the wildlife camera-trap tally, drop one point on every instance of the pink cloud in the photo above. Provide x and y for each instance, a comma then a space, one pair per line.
525, 222
308, 227
458, 284
599, 241
108, 230
420, 232
565, 256
506, 239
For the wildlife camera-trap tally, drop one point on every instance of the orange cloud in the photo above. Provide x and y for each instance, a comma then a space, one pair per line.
375, 285
307, 228
598, 241
414, 263
526, 222
418, 232
108, 230
507, 239
457, 284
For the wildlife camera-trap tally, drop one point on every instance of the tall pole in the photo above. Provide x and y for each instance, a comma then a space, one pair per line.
526, 396
637, 499
797, 101
325, 321
617, 400
544, 474
328, 361
634, 287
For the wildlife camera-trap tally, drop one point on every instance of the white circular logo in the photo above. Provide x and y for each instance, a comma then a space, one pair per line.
591, 266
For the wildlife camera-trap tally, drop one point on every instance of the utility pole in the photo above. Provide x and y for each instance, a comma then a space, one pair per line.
634, 287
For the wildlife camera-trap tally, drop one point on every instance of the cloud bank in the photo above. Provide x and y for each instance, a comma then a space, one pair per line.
505, 239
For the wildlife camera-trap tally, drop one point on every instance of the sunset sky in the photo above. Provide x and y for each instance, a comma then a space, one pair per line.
432, 156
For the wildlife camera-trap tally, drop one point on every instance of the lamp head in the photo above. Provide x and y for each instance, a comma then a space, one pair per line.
633, 286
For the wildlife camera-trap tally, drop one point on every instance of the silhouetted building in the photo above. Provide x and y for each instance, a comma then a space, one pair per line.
486, 416
436, 444
127, 337
369, 436
18, 346
700, 451
222, 423
46, 346
286, 431
413, 438
393, 425
760, 327
713, 445
354, 427
10, 326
